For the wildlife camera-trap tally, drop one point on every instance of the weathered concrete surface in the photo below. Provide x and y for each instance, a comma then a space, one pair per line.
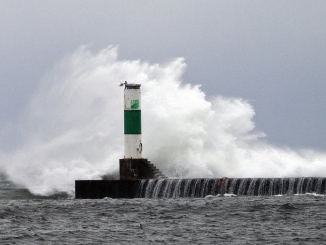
132, 169
97, 189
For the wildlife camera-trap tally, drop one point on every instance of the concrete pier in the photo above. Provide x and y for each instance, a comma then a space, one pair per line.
198, 188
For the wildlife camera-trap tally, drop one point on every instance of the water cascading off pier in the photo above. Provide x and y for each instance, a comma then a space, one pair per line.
183, 188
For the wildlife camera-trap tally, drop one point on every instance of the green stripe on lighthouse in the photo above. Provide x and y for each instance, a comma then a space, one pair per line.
132, 121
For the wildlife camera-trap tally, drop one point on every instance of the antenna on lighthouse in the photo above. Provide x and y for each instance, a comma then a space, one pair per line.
125, 83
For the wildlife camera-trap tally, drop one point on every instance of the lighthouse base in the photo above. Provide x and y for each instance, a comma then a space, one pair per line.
132, 172
132, 169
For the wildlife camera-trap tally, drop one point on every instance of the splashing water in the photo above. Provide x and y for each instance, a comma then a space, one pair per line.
73, 128
180, 188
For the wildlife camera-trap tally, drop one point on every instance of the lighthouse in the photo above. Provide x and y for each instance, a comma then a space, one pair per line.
132, 122
133, 165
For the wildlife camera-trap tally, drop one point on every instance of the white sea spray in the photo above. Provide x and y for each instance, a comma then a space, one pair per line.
73, 128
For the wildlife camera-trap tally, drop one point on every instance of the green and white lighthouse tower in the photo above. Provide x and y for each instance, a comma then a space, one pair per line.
133, 165
132, 122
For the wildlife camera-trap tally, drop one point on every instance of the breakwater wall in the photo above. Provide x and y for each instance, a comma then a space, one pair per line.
186, 188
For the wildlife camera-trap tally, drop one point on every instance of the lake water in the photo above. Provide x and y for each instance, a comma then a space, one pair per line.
229, 219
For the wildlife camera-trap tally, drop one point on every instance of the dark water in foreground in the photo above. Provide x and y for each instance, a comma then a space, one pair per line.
288, 219
210, 220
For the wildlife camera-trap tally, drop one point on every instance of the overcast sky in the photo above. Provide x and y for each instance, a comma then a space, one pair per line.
271, 53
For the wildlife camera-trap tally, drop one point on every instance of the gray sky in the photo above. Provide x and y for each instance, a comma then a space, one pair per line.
271, 53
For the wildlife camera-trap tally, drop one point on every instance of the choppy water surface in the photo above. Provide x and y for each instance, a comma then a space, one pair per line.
223, 220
